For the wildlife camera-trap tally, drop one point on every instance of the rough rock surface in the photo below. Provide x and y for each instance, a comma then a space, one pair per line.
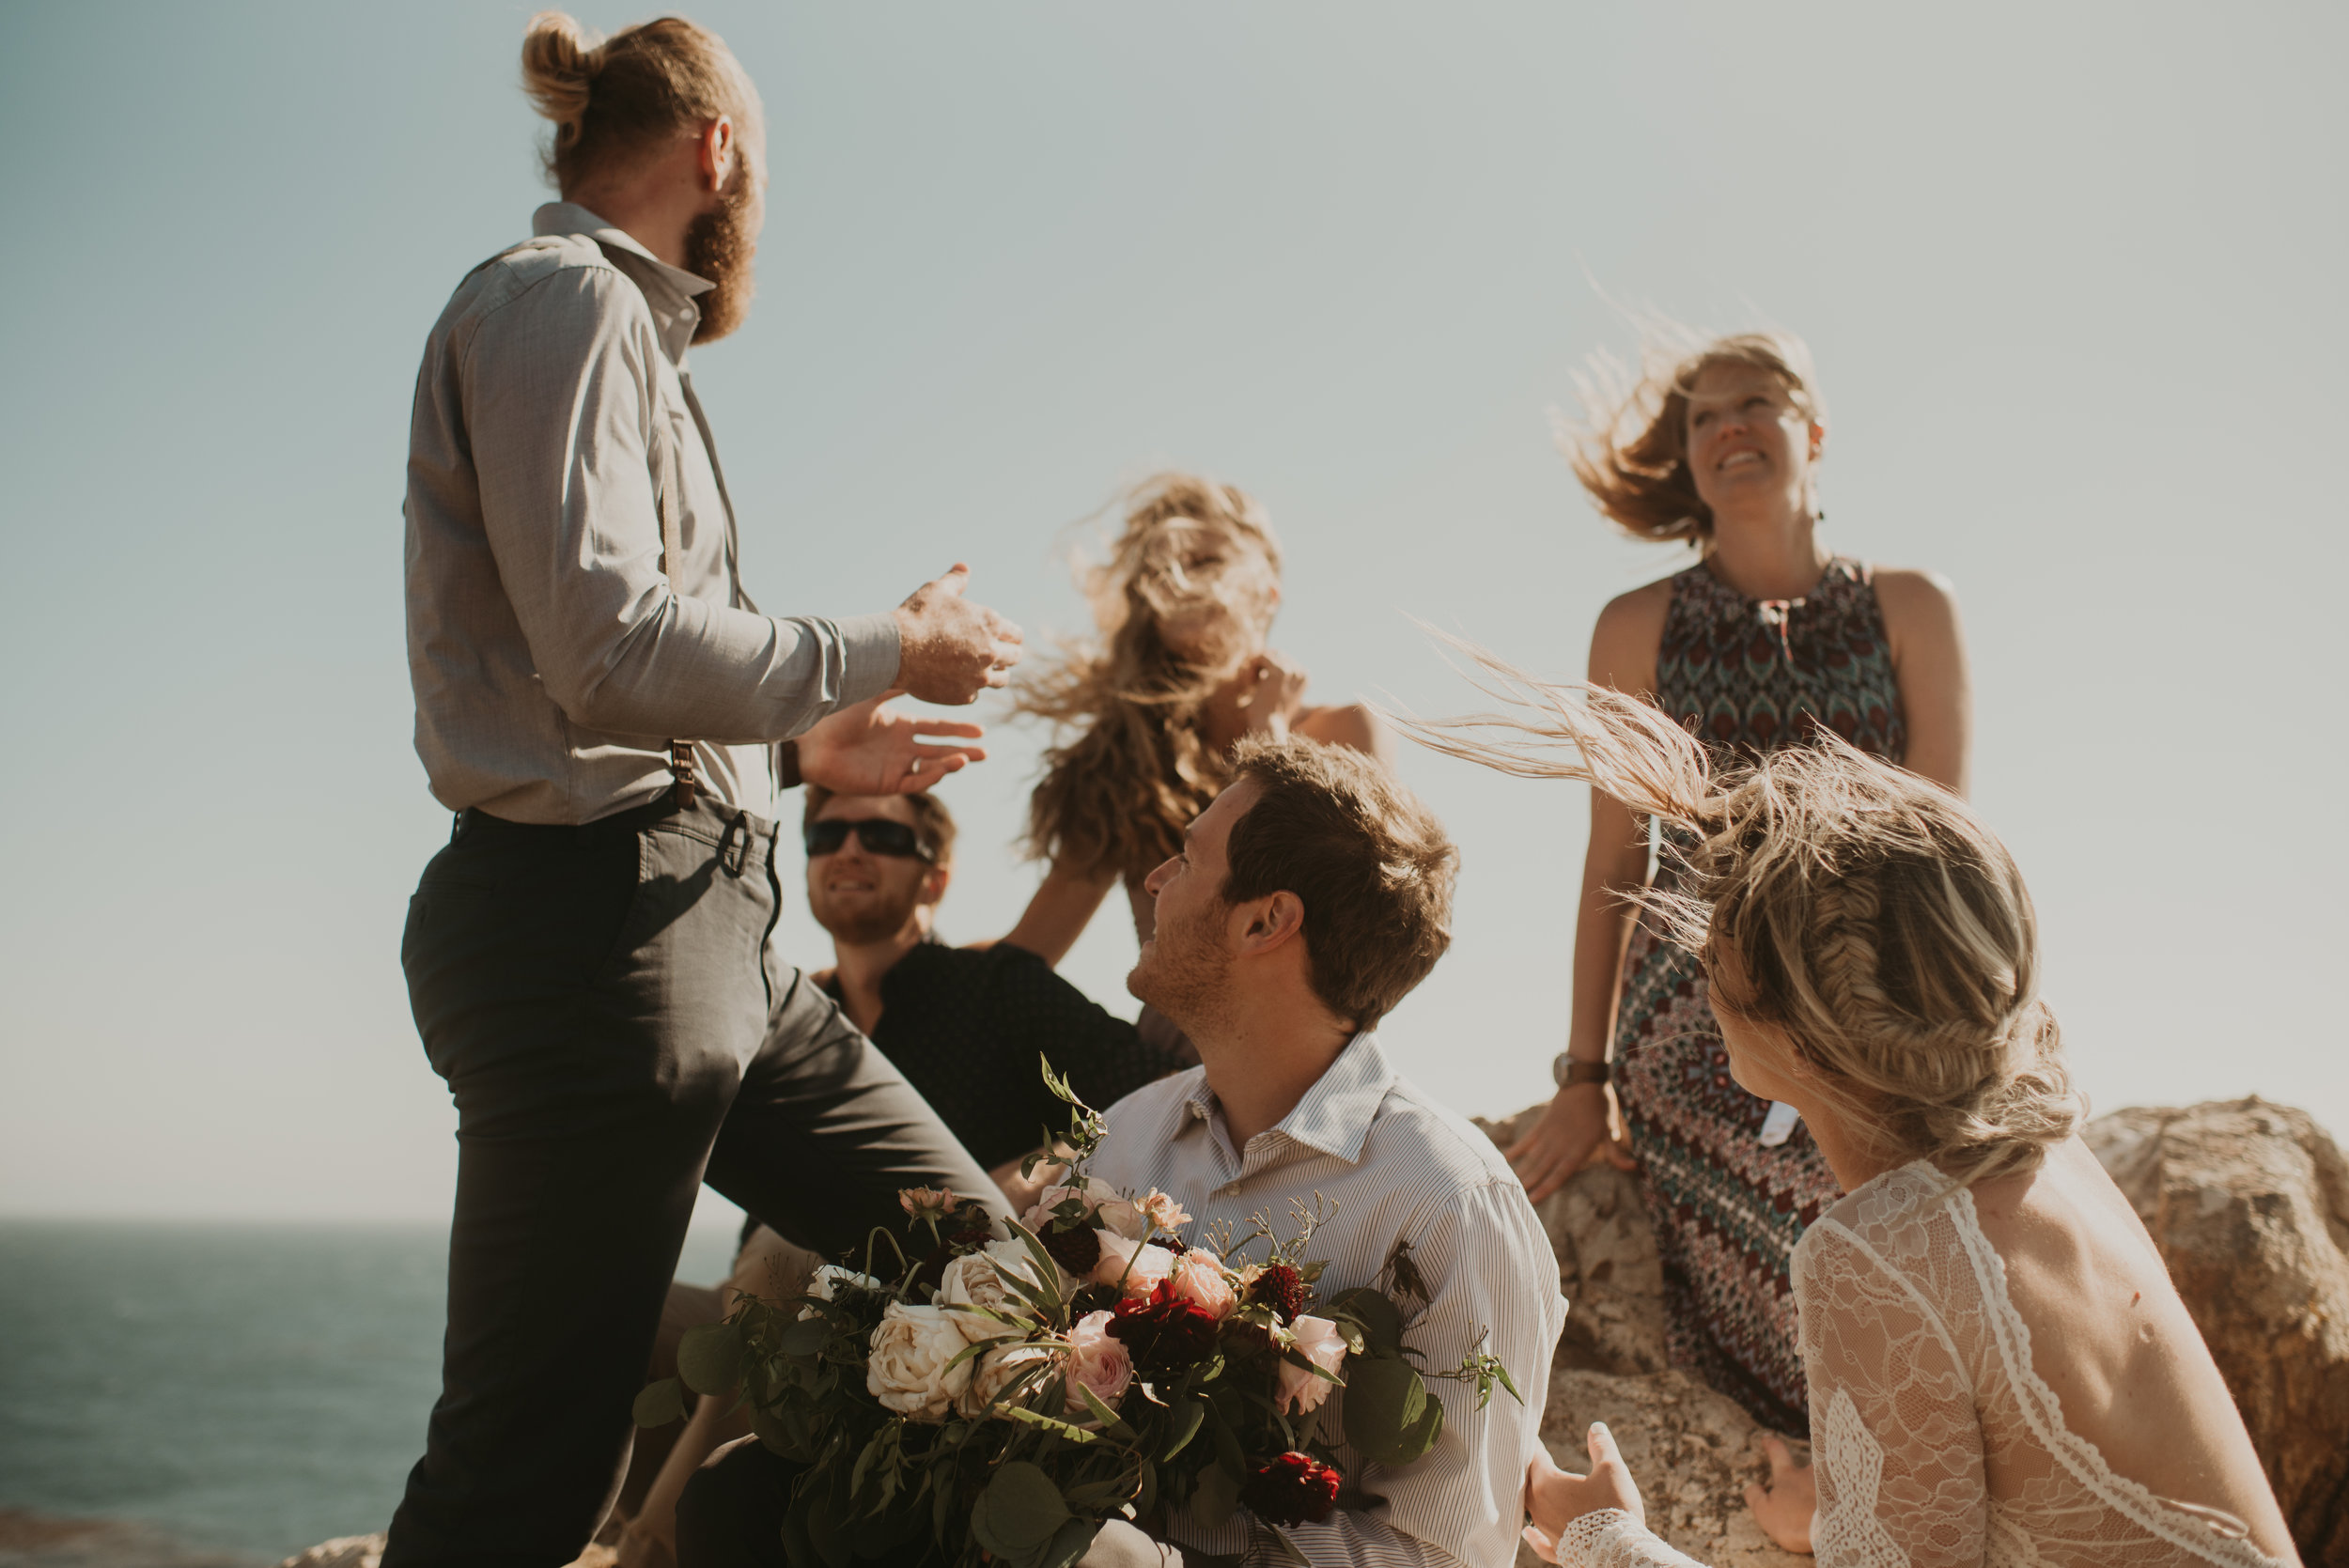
2249, 1204
31, 1540
366, 1551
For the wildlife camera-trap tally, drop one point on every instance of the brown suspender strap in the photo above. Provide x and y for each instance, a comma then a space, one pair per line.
672, 566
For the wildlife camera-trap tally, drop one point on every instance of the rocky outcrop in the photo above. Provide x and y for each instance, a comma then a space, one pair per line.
366, 1551
30, 1540
2249, 1204
344, 1551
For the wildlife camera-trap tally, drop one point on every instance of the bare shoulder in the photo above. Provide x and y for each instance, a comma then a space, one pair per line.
1355, 724
1915, 593
1629, 630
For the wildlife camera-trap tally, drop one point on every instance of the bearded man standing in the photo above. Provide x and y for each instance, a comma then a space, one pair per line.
613, 720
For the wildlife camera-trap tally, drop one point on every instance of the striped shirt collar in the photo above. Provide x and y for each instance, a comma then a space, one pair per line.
1334, 1117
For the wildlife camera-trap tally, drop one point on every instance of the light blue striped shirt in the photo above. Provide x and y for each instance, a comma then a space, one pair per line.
1399, 1167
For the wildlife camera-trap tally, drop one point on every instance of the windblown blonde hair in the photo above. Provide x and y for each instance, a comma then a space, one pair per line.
1875, 920
1183, 598
1630, 445
612, 99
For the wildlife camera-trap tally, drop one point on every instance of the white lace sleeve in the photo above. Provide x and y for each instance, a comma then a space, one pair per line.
1609, 1538
1897, 1443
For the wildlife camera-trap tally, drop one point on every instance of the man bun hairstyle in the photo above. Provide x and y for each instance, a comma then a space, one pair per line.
1373, 867
1872, 918
613, 100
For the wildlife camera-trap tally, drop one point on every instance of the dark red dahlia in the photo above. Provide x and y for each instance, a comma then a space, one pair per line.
1280, 1288
1076, 1250
1294, 1489
1175, 1245
1167, 1335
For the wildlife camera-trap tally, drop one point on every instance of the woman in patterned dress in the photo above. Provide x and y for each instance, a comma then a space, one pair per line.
1767, 638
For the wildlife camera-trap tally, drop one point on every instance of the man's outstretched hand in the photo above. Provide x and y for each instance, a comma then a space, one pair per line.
952, 649
871, 749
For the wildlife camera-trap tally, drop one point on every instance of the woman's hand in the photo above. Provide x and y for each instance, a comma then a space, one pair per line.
1783, 1508
1270, 693
1557, 1497
1579, 1122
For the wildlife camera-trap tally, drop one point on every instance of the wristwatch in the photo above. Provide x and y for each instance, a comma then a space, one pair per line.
1572, 1069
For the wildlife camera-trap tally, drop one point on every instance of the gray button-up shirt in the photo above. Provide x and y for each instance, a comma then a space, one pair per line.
553, 658
1399, 1168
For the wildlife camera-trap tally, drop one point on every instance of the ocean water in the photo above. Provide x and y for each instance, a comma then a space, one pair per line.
252, 1388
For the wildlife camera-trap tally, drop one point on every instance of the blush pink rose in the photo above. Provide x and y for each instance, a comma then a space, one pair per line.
1039, 1216
1100, 1363
1201, 1279
1318, 1341
1135, 1266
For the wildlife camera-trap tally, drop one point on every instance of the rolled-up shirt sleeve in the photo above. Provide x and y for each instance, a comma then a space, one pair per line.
557, 414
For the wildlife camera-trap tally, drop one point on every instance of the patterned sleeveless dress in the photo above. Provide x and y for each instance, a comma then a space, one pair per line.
1745, 677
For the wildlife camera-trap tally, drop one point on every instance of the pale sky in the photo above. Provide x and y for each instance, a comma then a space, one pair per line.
2071, 274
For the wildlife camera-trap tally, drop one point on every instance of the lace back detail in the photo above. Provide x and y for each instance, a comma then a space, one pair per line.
1932, 1397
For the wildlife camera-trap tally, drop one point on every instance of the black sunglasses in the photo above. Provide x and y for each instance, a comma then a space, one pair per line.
878, 835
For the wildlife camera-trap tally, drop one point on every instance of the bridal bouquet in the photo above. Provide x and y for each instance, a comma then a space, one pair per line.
1004, 1394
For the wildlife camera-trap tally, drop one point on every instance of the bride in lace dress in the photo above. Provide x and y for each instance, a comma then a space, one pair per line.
1999, 1369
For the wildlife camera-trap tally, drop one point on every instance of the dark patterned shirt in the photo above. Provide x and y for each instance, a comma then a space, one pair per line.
1748, 676
966, 1027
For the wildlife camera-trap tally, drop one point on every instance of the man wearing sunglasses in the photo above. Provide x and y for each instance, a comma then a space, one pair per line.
965, 1025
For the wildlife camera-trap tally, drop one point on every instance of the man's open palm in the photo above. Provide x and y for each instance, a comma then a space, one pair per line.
872, 749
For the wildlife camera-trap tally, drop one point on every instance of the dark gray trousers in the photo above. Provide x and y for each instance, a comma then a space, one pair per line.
615, 1031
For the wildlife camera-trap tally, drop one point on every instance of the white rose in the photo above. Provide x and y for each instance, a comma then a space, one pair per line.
976, 1279
1135, 1266
999, 1369
825, 1284
908, 1371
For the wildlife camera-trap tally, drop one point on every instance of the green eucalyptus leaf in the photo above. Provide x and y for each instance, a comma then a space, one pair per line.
805, 1337
1069, 1542
1385, 1403
1228, 1456
1020, 1512
1381, 1320
1052, 1424
1421, 1435
1110, 1419
709, 1359
1183, 1427
659, 1404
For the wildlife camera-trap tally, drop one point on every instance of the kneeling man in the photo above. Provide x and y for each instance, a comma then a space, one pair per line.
1308, 900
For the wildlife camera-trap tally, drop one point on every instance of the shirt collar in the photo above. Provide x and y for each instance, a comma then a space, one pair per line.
1335, 1114
669, 291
